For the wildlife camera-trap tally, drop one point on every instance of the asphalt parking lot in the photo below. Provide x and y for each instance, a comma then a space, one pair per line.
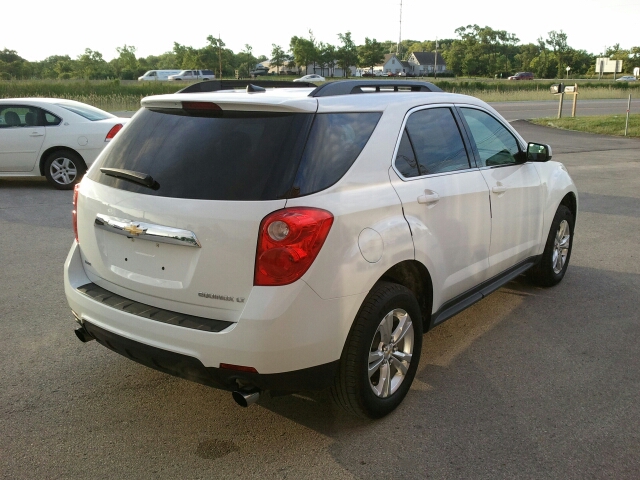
528, 383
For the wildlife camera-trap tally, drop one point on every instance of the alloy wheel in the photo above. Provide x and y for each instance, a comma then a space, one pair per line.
390, 353
561, 246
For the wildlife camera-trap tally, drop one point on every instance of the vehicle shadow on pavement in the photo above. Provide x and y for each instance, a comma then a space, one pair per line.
524, 381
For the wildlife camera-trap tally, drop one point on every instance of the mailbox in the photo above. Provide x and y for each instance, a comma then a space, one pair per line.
557, 88
570, 89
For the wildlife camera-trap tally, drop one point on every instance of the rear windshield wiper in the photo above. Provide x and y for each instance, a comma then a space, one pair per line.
136, 177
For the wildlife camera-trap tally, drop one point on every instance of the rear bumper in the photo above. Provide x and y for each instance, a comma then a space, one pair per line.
314, 378
291, 336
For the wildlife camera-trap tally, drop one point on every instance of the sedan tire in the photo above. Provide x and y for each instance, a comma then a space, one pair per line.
63, 169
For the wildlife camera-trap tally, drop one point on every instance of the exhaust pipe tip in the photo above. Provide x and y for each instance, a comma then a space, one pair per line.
244, 398
83, 335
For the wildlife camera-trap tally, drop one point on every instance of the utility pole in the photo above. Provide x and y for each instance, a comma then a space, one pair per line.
399, 33
435, 61
220, 54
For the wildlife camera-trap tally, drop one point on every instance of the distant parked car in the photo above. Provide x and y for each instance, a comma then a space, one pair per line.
522, 76
53, 137
192, 75
157, 75
627, 78
310, 78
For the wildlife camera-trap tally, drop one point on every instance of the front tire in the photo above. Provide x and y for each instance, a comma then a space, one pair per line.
63, 169
382, 352
557, 251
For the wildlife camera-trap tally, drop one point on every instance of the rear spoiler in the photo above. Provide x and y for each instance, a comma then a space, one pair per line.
218, 85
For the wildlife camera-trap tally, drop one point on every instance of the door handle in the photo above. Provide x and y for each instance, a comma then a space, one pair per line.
36, 134
428, 198
499, 188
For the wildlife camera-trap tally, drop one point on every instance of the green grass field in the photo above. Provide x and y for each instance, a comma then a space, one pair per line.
115, 95
604, 124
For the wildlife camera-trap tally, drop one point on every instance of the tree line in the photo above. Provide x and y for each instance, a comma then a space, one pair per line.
476, 52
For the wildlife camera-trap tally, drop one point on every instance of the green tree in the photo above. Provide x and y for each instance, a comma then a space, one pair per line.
303, 51
245, 61
278, 57
370, 54
347, 54
558, 42
90, 65
126, 64
12, 65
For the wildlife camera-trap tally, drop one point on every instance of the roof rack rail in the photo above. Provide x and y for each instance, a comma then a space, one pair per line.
217, 85
350, 87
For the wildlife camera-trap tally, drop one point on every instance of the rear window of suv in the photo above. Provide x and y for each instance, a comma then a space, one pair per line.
236, 155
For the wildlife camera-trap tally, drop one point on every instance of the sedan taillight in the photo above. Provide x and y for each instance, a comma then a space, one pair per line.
289, 241
112, 133
74, 212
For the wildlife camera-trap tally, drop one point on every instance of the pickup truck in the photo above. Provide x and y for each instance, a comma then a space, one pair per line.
192, 75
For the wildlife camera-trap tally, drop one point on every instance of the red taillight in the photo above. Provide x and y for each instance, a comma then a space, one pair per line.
112, 133
74, 212
289, 241
240, 368
201, 106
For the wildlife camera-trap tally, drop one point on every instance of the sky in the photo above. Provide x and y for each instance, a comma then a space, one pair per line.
38, 29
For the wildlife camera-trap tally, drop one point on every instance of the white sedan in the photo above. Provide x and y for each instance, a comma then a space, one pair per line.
310, 78
53, 137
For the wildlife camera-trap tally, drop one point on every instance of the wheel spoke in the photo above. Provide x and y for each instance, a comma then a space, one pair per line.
375, 361
402, 356
385, 380
385, 328
398, 365
403, 327
558, 262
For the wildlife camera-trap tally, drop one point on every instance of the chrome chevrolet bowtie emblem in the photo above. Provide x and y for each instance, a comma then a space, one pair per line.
134, 229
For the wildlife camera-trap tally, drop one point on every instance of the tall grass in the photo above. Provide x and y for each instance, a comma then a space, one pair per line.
116, 95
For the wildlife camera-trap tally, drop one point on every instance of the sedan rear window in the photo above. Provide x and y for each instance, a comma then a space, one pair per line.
235, 155
86, 111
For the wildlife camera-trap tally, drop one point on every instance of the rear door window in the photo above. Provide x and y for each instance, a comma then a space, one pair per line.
431, 143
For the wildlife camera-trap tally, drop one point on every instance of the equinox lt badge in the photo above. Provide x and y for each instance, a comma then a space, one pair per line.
226, 298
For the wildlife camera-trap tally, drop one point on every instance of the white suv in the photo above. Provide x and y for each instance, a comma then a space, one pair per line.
299, 238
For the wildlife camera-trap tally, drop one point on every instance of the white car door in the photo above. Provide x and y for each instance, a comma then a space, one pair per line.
445, 201
515, 189
21, 138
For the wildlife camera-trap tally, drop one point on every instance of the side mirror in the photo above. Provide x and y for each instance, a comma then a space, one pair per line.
538, 152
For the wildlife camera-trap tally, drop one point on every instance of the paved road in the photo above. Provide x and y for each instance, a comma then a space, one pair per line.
528, 383
526, 110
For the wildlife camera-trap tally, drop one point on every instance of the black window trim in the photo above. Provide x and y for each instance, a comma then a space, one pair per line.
463, 135
474, 148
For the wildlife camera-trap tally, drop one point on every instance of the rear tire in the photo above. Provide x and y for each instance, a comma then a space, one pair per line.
63, 169
382, 352
557, 251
